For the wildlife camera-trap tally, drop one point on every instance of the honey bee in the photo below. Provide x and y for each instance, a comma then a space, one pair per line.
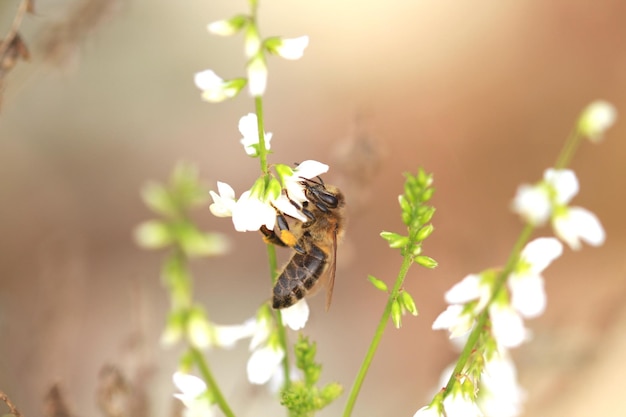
313, 263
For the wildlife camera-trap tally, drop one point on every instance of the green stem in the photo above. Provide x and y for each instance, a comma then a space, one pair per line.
358, 382
258, 105
207, 375
569, 149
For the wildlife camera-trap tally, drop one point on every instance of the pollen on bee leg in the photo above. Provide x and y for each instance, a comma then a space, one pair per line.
288, 238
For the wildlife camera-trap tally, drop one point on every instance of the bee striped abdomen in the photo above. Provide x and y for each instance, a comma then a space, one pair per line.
299, 276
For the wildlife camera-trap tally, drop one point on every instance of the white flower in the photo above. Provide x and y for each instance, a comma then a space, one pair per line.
192, 395
596, 119
224, 203
575, 224
500, 394
227, 336
249, 128
257, 76
468, 289
427, 411
215, 89
532, 203
526, 283
507, 325
306, 170
291, 48
563, 184
227, 27
296, 315
263, 363
457, 405
453, 319
250, 214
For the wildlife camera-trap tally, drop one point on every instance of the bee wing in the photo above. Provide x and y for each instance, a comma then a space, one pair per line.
332, 267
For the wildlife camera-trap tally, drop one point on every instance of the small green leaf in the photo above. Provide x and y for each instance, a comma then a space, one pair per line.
396, 314
395, 240
377, 283
408, 303
199, 330
158, 199
426, 261
424, 232
153, 234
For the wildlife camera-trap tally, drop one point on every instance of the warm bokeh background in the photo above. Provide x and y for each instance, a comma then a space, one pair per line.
481, 94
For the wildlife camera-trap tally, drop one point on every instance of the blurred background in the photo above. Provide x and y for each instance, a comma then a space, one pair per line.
482, 95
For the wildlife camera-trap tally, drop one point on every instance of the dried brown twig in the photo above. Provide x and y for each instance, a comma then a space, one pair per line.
12, 408
12, 48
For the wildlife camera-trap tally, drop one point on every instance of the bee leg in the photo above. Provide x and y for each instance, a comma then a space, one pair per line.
284, 237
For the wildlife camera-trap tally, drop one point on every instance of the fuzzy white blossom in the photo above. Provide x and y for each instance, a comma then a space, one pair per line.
549, 199
576, 224
455, 320
296, 316
214, 88
263, 363
249, 129
458, 405
291, 48
257, 76
500, 394
192, 395
507, 325
596, 119
526, 283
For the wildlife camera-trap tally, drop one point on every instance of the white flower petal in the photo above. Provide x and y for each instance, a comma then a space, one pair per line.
228, 335
577, 224
457, 405
292, 48
528, 295
507, 325
297, 315
284, 205
454, 320
467, 289
250, 214
190, 386
427, 411
532, 203
541, 252
500, 394
263, 363
224, 203
563, 182
310, 169
257, 76
250, 131
207, 79
223, 28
